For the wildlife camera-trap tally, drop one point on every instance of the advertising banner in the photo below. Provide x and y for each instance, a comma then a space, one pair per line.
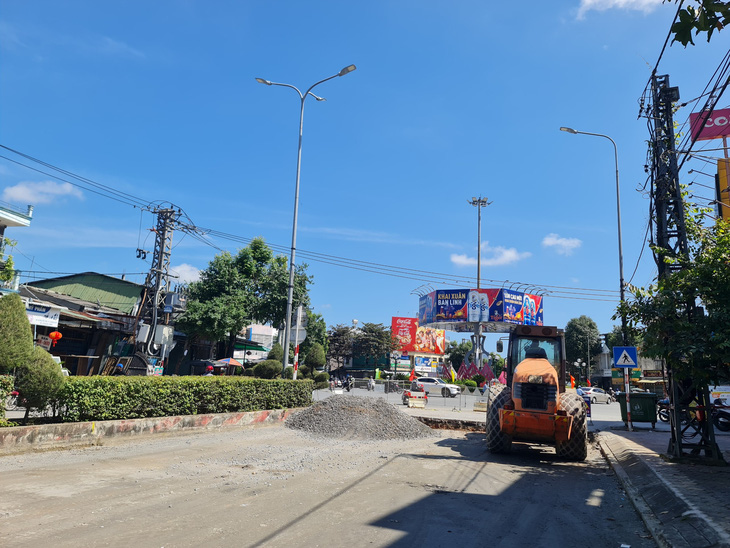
413, 338
480, 305
42, 315
404, 330
705, 125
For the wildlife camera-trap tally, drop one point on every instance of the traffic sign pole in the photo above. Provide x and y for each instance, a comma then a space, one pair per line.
626, 357
628, 400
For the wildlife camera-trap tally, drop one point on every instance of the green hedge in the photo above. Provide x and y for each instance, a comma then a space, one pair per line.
6, 387
110, 398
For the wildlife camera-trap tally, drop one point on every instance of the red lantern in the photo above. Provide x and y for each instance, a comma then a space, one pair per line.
54, 336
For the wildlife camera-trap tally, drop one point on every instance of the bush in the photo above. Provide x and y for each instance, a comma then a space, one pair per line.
276, 353
40, 381
7, 382
288, 373
479, 379
470, 385
268, 369
16, 336
321, 380
248, 372
113, 398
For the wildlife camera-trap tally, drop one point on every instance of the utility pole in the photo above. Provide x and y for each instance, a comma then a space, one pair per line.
671, 237
152, 332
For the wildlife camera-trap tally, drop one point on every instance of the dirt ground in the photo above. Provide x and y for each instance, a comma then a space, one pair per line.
273, 486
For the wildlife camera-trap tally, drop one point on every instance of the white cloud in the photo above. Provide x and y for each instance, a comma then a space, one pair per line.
563, 246
114, 47
646, 6
499, 256
44, 192
186, 273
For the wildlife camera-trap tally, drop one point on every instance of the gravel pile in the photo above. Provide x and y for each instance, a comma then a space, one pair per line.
358, 418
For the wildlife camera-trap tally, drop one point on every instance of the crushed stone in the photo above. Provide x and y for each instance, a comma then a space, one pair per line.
357, 418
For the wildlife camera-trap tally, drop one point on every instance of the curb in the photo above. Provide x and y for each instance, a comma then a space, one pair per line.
18, 439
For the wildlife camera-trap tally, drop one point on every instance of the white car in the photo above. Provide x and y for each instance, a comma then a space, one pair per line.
596, 394
434, 386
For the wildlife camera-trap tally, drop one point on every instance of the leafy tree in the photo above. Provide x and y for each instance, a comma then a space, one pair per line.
581, 340
235, 291
39, 381
16, 337
497, 363
7, 270
373, 341
316, 333
218, 304
340, 343
316, 357
683, 316
456, 352
615, 338
707, 16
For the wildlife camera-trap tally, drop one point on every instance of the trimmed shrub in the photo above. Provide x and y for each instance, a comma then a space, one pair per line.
16, 336
276, 353
112, 398
7, 382
40, 381
321, 380
267, 369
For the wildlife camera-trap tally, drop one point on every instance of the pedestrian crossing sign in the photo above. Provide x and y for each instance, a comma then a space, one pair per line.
625, 356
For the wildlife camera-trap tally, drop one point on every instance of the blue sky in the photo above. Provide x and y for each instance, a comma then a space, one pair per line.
449, 100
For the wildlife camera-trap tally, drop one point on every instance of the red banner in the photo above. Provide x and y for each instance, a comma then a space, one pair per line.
716, 124
404, 330
413, 338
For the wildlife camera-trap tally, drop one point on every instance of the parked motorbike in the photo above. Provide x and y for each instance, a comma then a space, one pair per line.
662, 410
721, 416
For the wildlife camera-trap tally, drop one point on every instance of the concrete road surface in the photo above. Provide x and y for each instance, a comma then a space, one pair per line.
271, 486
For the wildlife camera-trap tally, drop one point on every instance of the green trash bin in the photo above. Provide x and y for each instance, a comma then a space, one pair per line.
643, 407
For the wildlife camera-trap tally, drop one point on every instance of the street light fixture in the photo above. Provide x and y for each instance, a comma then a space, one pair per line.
618, 213
290, 292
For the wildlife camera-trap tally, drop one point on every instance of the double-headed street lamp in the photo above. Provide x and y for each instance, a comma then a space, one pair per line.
290, 292
618, 212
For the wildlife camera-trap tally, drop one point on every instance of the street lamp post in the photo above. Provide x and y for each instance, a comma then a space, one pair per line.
620, 262
290, 291
479, 203
618, 213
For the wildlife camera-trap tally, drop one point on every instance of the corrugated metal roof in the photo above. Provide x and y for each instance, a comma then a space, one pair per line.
105, 291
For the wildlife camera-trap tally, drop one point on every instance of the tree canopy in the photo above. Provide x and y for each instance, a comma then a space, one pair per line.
16, 336
373, 341
236, 291
706, 17
683, 317
581, 339
340, 343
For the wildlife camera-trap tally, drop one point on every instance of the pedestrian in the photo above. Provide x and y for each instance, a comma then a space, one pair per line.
371, 384
208, 371
118, 370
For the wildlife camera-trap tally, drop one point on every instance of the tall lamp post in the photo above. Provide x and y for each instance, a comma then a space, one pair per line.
618, 213
290, 292
620, 264
479, 203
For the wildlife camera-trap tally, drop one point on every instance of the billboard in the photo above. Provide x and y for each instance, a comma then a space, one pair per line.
709, 124
480, 305
404, 331
413, 338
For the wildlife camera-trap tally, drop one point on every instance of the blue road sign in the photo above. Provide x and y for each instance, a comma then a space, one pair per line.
625, 356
